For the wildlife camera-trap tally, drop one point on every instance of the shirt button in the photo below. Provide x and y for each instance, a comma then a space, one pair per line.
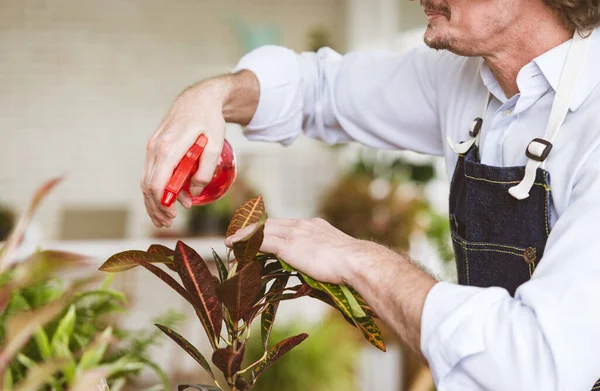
507, 112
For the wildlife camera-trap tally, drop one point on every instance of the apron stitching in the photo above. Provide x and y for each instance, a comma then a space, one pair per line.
506, 183
497, 251
546, 214
488, 244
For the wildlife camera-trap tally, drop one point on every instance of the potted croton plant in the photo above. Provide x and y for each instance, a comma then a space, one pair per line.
250, 285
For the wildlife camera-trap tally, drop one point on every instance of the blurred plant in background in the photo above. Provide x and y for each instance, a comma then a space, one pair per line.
7, 221
384, 200
325, 362
57, 336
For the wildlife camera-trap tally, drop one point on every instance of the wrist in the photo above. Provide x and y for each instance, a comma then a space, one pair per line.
367, 257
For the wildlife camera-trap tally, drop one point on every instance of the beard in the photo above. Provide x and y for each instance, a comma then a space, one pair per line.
438, 42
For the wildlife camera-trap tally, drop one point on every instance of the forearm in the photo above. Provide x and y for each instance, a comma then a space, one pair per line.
394, 287
237, 94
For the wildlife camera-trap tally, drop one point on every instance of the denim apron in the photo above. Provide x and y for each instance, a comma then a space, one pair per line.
500, 216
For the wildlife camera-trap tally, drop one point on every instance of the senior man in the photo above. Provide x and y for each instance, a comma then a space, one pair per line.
511, 99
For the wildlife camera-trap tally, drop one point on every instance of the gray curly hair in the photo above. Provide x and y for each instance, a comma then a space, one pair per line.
578, 15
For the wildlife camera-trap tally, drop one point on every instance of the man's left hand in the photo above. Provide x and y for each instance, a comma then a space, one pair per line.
313, 247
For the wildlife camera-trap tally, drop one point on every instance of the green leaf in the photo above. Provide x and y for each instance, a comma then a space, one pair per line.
220, 266
357, 311
228, 360
39, 375
93, 354
370, 331
245, 250
42, 342
363, 303
129, 259
240, 292
188, 347
276, 352
65, 328
201, 286
7, 380
268, 316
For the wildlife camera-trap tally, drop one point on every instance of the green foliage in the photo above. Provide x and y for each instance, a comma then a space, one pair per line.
56, 336
325, 362
239, 295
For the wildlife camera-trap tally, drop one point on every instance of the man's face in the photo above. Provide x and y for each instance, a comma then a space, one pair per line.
468, 27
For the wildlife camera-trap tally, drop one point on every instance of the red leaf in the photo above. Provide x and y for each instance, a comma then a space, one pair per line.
240, 292
277, 351
202, 288
228, 360
164, 251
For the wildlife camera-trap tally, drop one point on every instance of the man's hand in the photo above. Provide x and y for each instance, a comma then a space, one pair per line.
201, 109
394, 287
313, 247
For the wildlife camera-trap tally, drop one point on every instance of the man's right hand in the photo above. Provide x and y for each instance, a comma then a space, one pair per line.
201, 109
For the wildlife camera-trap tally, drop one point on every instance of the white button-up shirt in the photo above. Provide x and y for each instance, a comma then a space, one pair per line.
548, 336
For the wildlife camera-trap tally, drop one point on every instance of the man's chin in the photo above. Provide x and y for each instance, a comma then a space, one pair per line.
435, 40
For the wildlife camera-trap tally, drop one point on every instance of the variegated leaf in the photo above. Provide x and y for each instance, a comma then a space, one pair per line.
249, 213
188, 347
239, 293
277, 352
228, 360
268, 316
202, 288
129, 259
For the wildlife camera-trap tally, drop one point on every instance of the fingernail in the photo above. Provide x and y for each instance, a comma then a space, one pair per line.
187, 203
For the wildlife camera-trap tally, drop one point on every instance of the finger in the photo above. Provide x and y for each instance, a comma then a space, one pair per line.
154, 216
185, 199
208, 162
273, 245
169, 151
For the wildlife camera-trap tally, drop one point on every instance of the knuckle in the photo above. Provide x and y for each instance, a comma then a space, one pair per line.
165, 148
150, 146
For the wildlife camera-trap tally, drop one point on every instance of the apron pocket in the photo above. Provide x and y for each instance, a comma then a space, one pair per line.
488, 264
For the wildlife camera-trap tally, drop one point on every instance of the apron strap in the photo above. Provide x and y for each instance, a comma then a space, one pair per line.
474, 131
538, 149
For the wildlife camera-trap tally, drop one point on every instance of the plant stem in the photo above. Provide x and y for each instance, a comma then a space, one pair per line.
241, 372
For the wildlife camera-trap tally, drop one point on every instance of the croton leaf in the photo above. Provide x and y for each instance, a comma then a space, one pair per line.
249, 213
201, 387
188, 347
366, 325
220, 266
357, 311
268, 316
241, 384
245, 250
363, 303
277, 351
165, 252
15, 238
335, 292
129, 259
370, 331
229, 360
239, 293
158, 272
202, 288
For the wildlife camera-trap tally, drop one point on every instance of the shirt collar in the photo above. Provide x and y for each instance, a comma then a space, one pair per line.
551, 65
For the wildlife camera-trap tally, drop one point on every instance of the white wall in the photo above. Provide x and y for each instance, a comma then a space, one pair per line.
84, 83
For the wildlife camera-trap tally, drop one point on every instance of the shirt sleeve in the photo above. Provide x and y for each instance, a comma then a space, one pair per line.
381, 99
545, 338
